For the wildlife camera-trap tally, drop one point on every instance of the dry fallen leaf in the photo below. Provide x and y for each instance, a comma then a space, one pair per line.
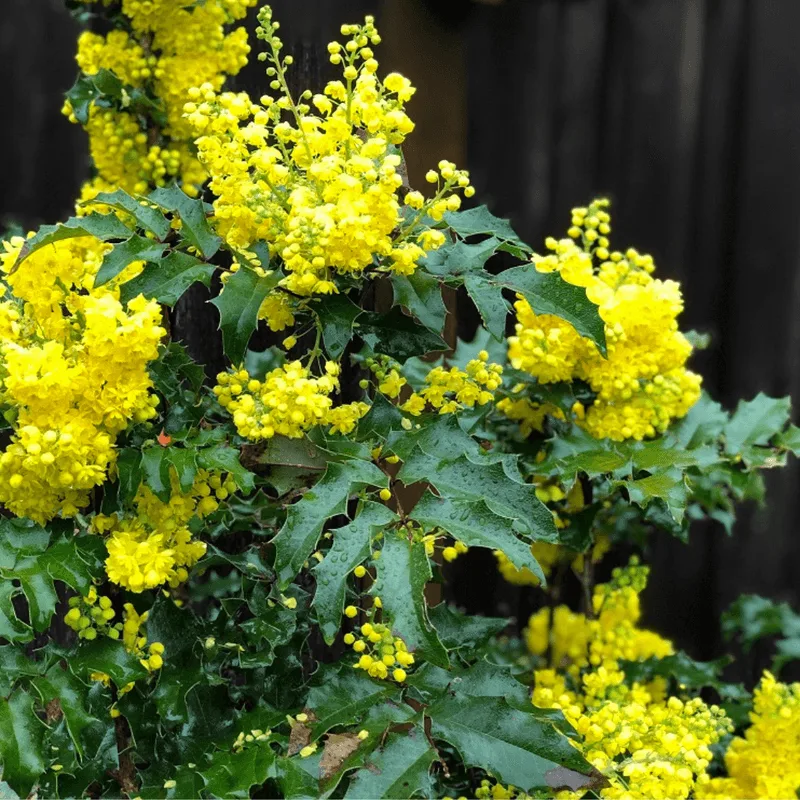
338, 748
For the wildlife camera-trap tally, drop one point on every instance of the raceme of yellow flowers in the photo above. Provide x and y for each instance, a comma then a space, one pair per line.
320, 178
646, 744
643, 384
167, 48
154, 546
766, 761
73, 372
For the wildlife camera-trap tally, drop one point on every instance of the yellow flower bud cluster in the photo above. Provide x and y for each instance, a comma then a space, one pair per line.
287, 402
319, 177
765, 762
91, 616
489, 790
255, 735
643, 384
74, 368
154, 545
578, 641
165, 49
379, 652
452, 390
530, 415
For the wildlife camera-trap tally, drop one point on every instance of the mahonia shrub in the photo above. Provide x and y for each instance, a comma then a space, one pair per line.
223, 585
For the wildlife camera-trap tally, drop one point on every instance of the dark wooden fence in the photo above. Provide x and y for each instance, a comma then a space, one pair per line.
685, 112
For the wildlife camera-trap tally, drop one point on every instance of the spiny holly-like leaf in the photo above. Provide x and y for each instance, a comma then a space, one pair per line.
89, 88
516, 747
108, 656
491, 305
421, 294
753, 426
232, 775
337, 314
403, 571
505, 495
397, 335
464, 632
238, 304
549, 293
460, 258
305, 519
351, 546
668, 486
480, 221
106, 227
147, 217
21, 734
472, 522
344, 696
166, 280
194, 225
137, 248
225, 458
30, 564
400, 767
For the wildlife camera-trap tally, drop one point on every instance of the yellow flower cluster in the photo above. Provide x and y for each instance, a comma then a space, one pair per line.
380, 651
646, 747
452, 390
529, 414
643, 384
74, 374
497, 791
766, 761
319, 178
576, 641
646, 744
155, 545
92, 616
287, 402
166, 48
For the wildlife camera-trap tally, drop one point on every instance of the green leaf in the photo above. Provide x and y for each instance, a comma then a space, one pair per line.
195, 228
397, 335
460, 258
155, 466
478, 221
305, 519
549, 293
234, 774
491, 305
147, 217
129, 474
505, 495
753, 617
344, 696
12, 629
137, 248
399, 768
238, 304
472, 522
106, 227
403, 570
337, 315
668, 486
109, 656
516, 747
753, 426
21, 733
89, 88
227, 459
421, 294
166, 280
463, 632
351, 547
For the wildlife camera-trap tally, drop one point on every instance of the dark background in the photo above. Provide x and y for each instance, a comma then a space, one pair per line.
685, 112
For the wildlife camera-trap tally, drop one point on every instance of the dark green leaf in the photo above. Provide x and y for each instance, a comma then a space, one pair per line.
479, 220
421, 294
337, 314
753, 426
195, 228
461, 258
137, 248
491, 305
89, 88
351, 547
166, 280
21, 733
403, 570
516, 747
147, 217
108, 656
459, 631
399, 768
549, 293
226, 458
397, 335
668, 486
305, 519
232, 775
472, 522
238, 304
